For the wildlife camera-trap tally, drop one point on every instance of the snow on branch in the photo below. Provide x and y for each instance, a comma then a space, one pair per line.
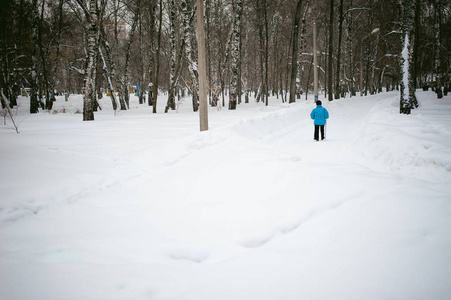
73, 68
356, 9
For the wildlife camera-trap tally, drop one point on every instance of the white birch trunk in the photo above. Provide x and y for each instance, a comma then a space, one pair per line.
407, 92
188, 33
236, 57
88, 112
171, 96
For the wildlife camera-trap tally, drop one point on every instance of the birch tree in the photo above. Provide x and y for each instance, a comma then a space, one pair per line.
407, 92
125, 78
236, 55
50, 48
172, 63
151, 17
156, 65
262, 27
189, 38
89, 88
294, 58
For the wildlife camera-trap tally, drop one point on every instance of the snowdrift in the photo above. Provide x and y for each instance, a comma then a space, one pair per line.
143, 206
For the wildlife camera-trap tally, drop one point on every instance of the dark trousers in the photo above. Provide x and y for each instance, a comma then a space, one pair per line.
319, 128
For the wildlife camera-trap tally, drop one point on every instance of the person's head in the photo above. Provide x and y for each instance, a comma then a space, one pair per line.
318, 102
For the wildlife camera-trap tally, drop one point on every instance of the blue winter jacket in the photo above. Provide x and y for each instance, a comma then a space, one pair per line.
320, 115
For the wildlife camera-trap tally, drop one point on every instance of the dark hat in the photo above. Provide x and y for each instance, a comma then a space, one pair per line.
318, 102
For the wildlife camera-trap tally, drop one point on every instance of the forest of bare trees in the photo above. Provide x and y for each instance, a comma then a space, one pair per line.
254, 49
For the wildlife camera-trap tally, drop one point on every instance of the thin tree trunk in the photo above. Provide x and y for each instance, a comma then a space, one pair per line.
337, 76
240, 50
172, 76
43, 54
142, 73
34, 104
438, 51
125, 81
236, 57
57, 46
265, 6
315, 65
114, 71
203, 115
301, 72
111, 76
368, 47
151, 34
262, 30
331, 42
188, 33
88, 112
109, 81
351, 53
362, 90
208, 41
294, 53
417, 26
157, 60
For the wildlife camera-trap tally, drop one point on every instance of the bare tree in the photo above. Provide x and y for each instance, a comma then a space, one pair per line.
89, 88
47, 48
294, 58
189, 38
330, 50
438, 49
156, 65
337, 74
173, 56
34, 104
236, 55
407, 92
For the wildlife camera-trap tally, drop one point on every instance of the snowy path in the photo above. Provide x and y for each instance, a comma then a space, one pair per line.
141, 207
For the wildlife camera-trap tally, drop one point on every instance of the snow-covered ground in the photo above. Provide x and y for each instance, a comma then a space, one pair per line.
144, 206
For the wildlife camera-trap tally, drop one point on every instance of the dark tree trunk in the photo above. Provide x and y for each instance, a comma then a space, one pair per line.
265, 6
294, 53
331, 42
236, 57
351, 53
88, 112
438, 51
337, 74
416, 44
142, 75
151, 34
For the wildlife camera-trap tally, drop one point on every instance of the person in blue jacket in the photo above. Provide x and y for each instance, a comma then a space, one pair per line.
320, 115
